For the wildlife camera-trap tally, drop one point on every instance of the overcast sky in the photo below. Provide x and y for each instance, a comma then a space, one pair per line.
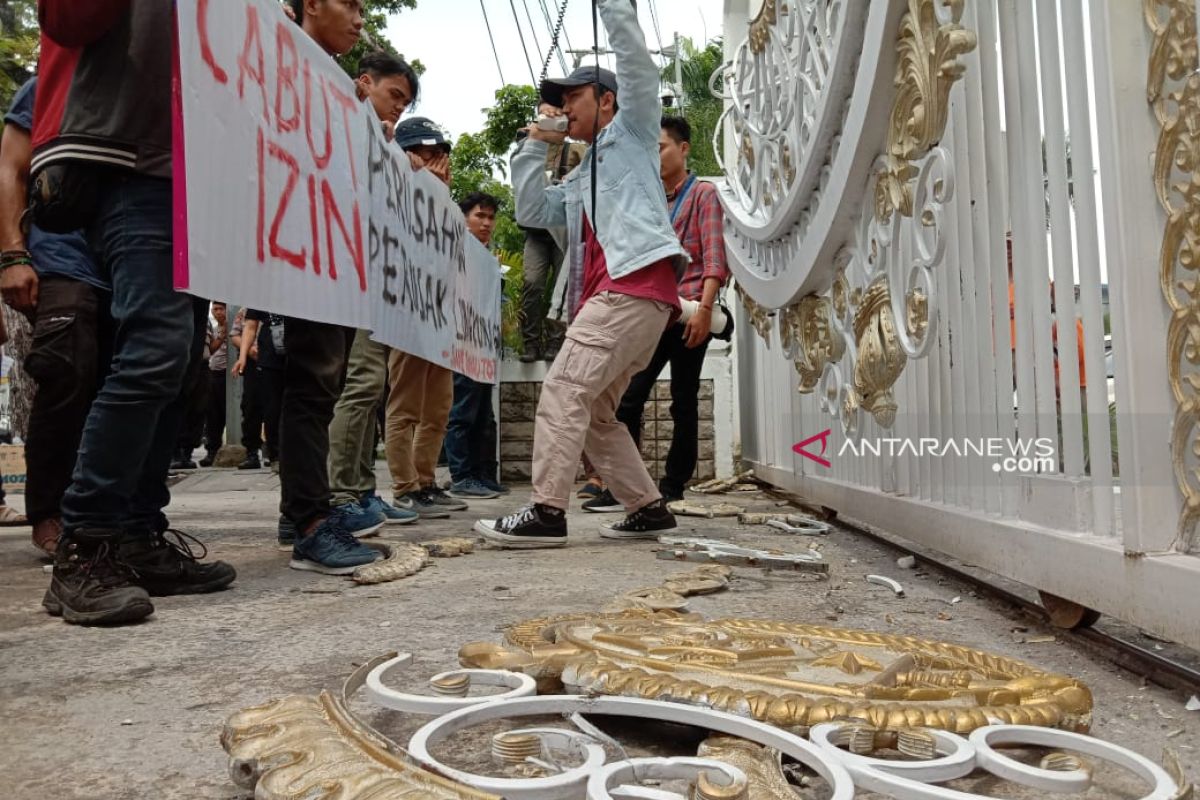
451, 40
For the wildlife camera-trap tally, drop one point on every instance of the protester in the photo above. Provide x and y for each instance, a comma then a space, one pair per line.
420, 393
471, 433
218, 366
260, 363
57, 285
623, 287
314, 372
390, 85
102, 160
699, 222
544, 248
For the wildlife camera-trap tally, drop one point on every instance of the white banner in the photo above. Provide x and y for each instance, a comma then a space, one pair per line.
275, 185
289, 199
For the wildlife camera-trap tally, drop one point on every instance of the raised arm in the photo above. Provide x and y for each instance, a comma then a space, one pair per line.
637, 74
538, 205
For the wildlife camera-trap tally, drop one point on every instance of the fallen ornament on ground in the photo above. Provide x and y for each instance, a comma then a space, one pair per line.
715, 551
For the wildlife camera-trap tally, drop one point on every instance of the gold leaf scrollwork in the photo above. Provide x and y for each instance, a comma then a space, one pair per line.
760, 317
928, 67
1174, 93
881, 359
807, 332
760, 27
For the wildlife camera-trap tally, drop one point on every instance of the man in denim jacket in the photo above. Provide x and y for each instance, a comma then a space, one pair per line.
623, 256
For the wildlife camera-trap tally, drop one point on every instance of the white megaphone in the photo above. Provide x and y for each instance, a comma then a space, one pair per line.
721, 324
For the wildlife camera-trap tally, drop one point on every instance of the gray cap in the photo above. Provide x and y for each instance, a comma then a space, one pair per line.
553, 89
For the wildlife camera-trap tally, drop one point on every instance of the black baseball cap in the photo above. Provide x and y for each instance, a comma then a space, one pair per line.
418, 131
553, 89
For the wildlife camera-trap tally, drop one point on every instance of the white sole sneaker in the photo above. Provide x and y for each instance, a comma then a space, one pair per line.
410, 521
304, 565
372, 531
487, 529
608, 532
614, 509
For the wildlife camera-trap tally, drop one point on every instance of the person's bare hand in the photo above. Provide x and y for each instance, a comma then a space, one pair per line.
415, 161
254, 351
239, 368
291, 14
440, 167
697, 328
19, 287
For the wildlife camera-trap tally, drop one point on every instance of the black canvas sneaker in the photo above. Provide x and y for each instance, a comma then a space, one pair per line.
604, 503
533, 526
645, 523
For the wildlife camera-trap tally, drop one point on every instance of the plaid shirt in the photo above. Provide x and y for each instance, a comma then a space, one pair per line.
700, 226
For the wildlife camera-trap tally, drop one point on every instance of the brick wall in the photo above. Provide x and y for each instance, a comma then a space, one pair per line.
518, 405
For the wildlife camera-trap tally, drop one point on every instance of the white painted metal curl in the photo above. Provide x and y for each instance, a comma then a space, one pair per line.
956, 756
605, 782
518, 686
984, 739
571, 783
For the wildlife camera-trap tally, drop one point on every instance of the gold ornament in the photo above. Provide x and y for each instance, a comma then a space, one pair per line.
1174, 92
785, 674
881, 359
928, 67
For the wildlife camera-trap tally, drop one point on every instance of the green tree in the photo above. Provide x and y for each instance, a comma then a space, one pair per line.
699, 107
375, 17
516, 107
18, 46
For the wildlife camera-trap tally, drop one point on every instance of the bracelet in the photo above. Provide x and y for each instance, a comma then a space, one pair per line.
15, 262
7, 254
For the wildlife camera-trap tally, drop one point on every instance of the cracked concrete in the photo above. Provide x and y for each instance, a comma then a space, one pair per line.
135, 712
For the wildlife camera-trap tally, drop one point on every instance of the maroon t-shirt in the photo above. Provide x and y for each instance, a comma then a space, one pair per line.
654, 282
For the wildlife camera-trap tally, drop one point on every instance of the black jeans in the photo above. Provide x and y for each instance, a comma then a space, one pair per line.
214, 426
470, 444
72, 345
686, 365
317, 353
120, 478
270, 385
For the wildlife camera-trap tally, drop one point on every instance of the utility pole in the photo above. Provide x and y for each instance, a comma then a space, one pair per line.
581, 54
679, 71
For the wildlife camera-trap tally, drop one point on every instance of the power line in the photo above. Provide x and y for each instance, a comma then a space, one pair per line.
555, 33
521, 35
657, 30
493, 41
562, 13
537, 46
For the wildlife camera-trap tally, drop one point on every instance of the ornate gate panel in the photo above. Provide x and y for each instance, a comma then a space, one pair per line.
944, 219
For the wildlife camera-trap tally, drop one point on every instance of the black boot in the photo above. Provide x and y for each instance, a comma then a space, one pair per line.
164, 564
251, 461
90, 586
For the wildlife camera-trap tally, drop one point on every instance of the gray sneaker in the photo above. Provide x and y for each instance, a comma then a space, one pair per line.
442, 500
424, 507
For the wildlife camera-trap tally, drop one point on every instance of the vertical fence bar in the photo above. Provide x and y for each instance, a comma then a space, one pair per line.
1087, 236
1054, 144
1133, 225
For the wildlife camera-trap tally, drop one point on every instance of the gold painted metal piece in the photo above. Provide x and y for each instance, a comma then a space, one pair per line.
928, 67
760, 318
1174, 93
761, 765
314, 747
881, 359
760, 26
786, 674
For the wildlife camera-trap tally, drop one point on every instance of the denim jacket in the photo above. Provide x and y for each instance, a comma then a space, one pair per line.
630, 218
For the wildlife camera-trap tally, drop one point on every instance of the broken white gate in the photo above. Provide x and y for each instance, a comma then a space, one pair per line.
967, 236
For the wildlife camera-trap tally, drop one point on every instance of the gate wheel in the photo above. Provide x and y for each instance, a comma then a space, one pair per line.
1067, 614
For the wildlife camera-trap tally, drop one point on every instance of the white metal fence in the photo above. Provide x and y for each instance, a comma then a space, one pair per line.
943, 157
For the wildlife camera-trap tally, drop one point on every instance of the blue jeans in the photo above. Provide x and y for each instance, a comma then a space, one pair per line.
120, 475
471, 433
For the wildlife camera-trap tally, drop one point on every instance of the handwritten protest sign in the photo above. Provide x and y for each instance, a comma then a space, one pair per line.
436, 289
289, 198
